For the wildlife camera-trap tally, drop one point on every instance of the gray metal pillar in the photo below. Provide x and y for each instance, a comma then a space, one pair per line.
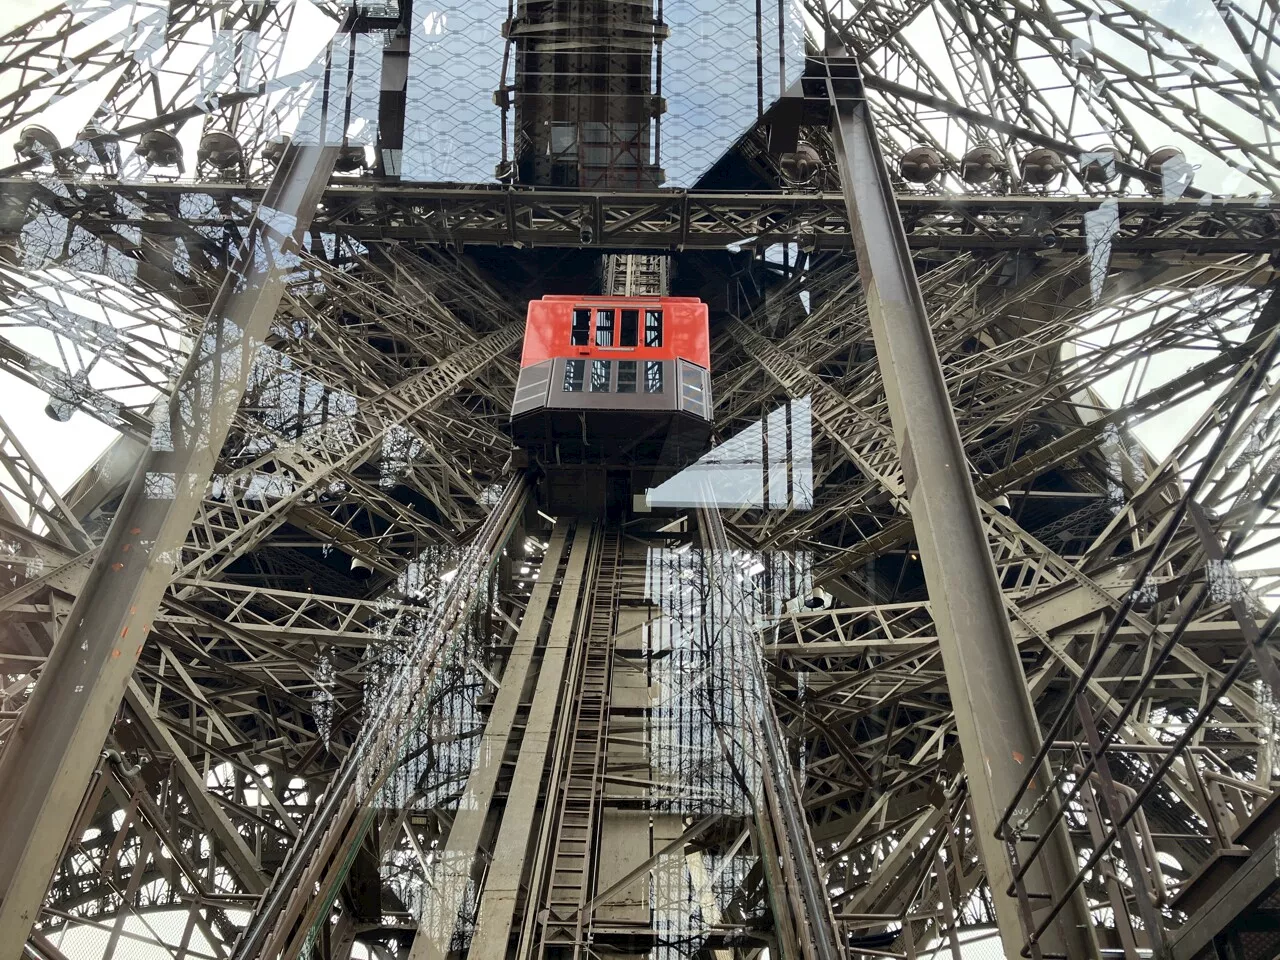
994, 715
48, 761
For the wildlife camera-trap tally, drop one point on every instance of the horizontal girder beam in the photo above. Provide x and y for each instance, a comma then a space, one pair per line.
667, 219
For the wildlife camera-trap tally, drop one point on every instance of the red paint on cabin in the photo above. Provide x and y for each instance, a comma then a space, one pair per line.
617, 328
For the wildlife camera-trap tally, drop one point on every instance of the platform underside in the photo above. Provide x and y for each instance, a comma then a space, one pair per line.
622, 438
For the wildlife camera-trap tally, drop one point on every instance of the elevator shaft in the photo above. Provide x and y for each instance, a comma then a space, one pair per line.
630, 795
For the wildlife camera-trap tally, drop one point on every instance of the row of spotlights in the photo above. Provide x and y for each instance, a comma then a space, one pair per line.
1039, 167
218, 150
222, 152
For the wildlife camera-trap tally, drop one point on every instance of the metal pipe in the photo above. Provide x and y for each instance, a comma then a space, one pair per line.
116, 757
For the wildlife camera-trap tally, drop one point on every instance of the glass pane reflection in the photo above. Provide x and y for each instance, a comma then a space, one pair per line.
769, 464
713, 85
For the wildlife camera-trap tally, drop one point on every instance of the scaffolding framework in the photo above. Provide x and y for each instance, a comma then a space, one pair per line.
317, 679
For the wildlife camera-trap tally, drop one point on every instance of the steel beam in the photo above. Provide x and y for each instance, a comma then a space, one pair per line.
49, 761
38, 496
458, 859
1245, 894
671, 220
502, 885
995, 719
240, 858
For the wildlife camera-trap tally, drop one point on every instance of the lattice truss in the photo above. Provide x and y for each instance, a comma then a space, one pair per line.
371, 437
865, 683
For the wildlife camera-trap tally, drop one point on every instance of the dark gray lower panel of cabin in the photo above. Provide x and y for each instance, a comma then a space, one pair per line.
556, 427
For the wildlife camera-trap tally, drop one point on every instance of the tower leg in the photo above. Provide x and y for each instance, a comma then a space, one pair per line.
994, 715
47, 764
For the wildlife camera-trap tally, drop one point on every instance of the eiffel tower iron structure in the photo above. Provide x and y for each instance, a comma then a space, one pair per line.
957, 642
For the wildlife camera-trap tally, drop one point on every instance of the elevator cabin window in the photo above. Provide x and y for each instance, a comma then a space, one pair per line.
573, 372
580, 337
653, 328
600, 375
629, 329
626, 376
653, 376
604, 328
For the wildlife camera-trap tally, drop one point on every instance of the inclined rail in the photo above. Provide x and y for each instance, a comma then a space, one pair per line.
562, 847
318, 862
801, 907
577, 824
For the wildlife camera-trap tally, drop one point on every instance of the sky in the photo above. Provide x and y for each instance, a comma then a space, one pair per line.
63, 450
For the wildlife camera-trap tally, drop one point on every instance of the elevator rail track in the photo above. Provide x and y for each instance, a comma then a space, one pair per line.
306, 884
580, 788
802, 910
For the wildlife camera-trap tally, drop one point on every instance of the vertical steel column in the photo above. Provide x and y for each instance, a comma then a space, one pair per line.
994, 716
47, 764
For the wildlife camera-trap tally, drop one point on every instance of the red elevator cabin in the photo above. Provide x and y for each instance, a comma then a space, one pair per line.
614, 396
